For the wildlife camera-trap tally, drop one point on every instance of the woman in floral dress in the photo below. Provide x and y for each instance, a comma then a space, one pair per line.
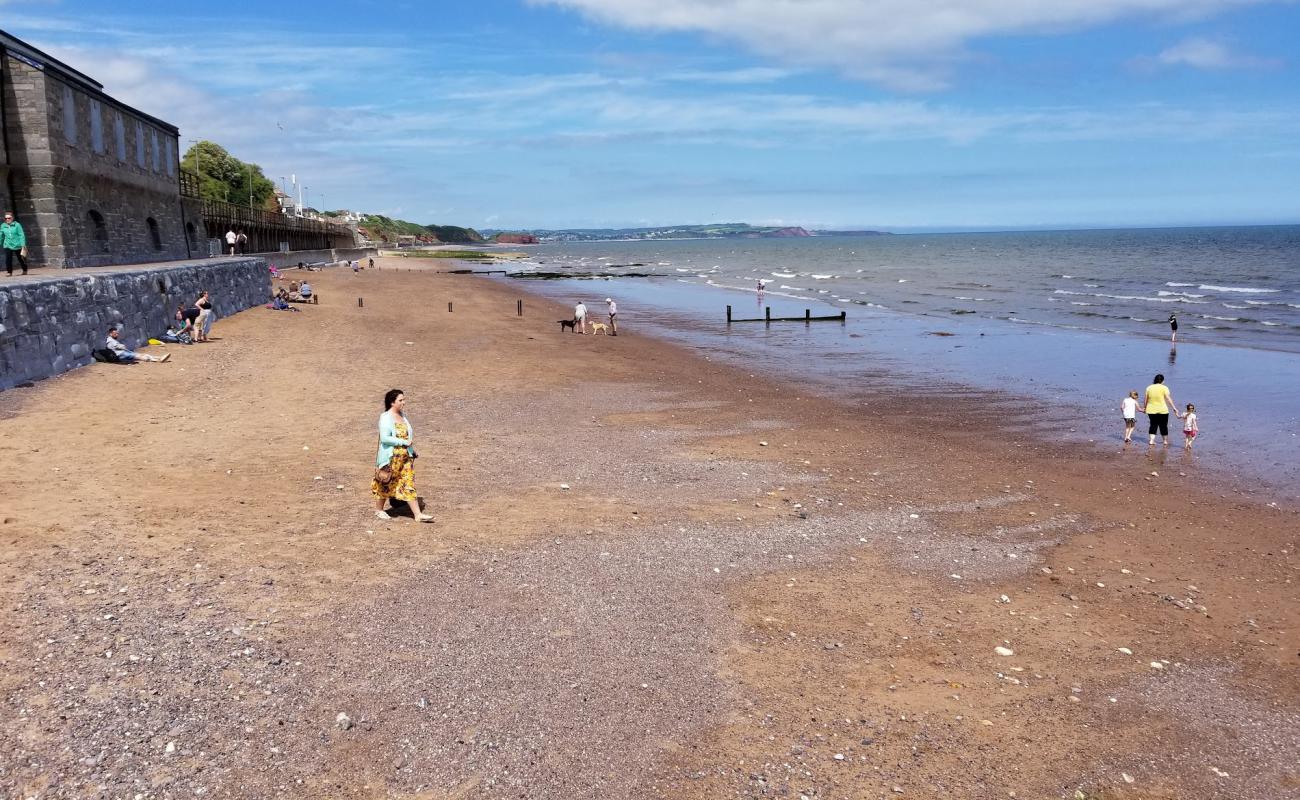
396, 451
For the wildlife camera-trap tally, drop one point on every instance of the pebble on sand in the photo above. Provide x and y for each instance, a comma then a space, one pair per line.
343, 721
1004, 651
1125, 651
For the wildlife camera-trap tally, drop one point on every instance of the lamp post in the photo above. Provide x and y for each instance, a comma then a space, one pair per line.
198, 170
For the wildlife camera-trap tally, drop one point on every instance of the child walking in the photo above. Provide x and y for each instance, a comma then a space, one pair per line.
1190, 426
1129, 408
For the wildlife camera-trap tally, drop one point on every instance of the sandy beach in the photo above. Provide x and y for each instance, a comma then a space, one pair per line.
651, 575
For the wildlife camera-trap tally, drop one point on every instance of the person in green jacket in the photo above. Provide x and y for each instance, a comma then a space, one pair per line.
13, 241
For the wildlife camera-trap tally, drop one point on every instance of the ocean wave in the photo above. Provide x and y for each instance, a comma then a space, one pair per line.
1133, 297
1079, 303
793, 288
1163, 293
1239, 308
783, 274
1222, 319
822, 277
1271, 324
1171, 283
1212, 327
1243, 289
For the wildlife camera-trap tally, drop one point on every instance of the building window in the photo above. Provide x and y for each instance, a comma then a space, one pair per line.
96, 126
139, 144
157, 155
155, 235
119, 133
171, 157
98, 230
69, 115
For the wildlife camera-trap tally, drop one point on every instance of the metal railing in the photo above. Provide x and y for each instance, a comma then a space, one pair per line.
234, 215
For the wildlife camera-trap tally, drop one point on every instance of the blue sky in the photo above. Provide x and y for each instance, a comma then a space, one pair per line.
827, 113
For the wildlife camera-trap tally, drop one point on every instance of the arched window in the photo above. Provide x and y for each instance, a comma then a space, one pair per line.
98, 230
154, 234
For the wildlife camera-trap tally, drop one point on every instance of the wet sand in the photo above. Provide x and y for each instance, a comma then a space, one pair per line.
747, 589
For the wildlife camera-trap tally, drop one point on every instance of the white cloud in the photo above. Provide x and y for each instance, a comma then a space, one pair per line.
1209, 54
899, 43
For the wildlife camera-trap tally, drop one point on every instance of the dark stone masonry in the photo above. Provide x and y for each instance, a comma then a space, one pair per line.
92, 180
49, 324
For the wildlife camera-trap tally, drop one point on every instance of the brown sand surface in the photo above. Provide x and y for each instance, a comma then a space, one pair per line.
745, 590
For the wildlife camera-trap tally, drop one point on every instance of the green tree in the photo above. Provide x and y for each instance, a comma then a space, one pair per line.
226, 178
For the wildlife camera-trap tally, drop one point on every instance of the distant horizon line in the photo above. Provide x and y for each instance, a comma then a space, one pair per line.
927, 229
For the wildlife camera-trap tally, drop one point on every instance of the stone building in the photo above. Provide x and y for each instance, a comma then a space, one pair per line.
92, 180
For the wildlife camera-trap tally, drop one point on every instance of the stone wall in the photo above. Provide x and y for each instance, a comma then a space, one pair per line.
49, 324
95, 182
318, 258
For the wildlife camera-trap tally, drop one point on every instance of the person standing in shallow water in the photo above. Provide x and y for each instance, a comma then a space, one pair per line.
397, 452
1173, 327
1159, 402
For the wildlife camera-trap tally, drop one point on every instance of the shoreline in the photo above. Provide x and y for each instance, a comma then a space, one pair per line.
901, 340
737, 565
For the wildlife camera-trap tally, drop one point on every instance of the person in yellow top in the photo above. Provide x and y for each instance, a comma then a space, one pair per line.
1158, 404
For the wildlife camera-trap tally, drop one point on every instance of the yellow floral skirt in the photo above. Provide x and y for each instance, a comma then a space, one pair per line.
402, 487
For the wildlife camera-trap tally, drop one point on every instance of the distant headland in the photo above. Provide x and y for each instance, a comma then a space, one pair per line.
729, 230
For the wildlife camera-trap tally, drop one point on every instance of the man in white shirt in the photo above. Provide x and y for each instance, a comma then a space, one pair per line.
124, 353
613, 312
231, 239
580, 317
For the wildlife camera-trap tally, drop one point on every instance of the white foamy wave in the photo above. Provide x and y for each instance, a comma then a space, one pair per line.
902, 280
1230, 305
1077, 303
783, 274
822, 277
1163, 293
1225, 319
679, 269
1134, 297
1172, 283
1271, 324
793, 288
1243, 289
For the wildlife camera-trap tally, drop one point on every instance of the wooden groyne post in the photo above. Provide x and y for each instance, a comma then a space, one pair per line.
361, 302
519, 307
449, 307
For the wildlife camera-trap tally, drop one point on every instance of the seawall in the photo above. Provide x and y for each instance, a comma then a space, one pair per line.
51, 321
316, 257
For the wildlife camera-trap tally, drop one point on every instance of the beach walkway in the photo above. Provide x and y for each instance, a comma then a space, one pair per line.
650, 576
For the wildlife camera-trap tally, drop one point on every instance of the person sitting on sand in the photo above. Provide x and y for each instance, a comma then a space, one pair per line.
125, 354
305, 291
580, 317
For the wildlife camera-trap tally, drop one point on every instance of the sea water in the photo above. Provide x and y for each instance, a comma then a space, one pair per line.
1063, 323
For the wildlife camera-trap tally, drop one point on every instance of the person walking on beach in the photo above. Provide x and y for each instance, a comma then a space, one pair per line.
1129, 408
613, 314
356, 267
395, 463
126, 354
1159, 402
372, 263
580, 316
1173, 327
1190, 426
232, 239
14, 241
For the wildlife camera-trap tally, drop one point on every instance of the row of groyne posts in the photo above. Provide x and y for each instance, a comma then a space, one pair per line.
807, 317
767, 317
